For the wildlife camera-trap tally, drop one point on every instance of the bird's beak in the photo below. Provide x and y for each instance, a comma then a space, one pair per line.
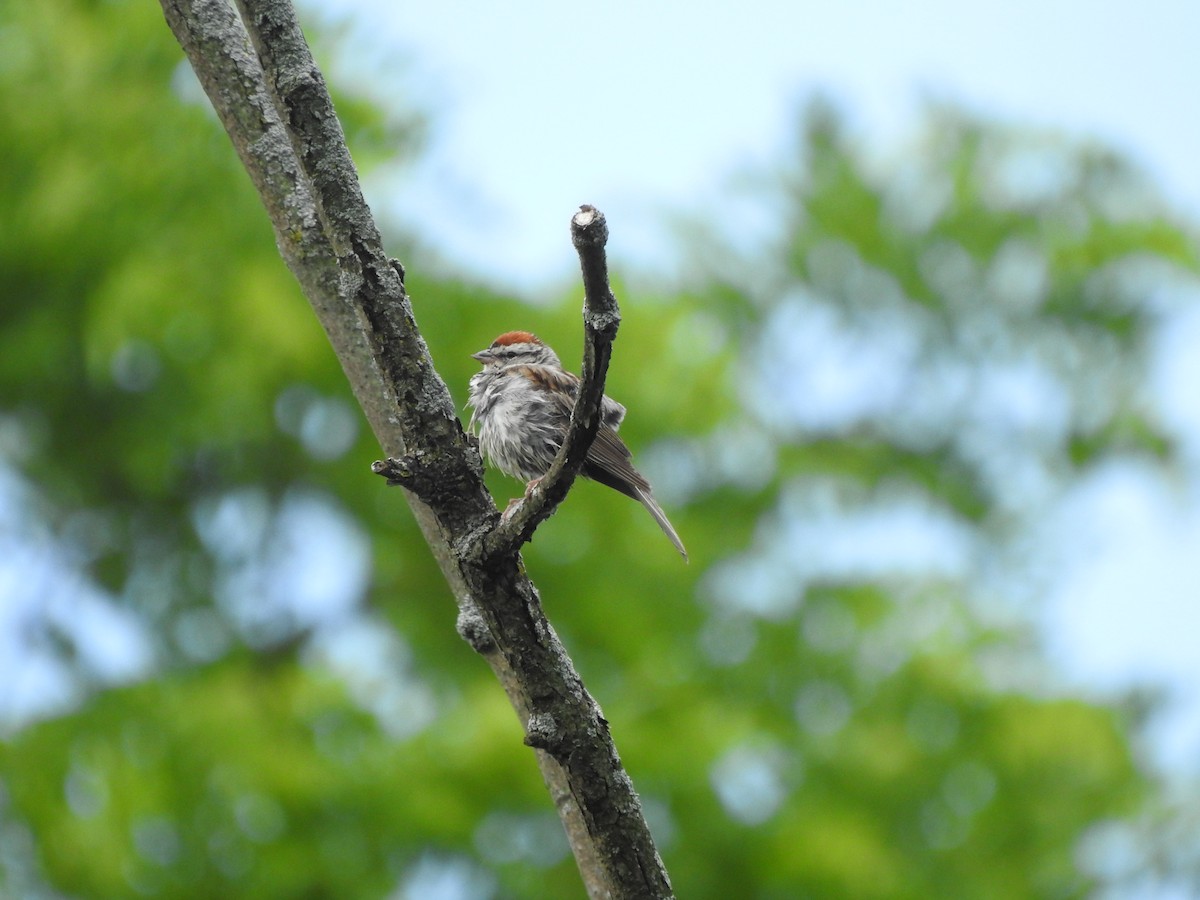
482, 355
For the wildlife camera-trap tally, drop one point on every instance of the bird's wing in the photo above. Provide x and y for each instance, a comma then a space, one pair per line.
612, 413
609, 462
562, 385
557, 383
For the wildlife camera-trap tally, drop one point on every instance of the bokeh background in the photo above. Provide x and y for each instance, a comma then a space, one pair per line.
911, 313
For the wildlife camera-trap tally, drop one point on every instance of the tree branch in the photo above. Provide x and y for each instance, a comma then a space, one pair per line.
282, 124
601, 318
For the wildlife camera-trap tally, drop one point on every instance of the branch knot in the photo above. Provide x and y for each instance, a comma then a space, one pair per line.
542, 733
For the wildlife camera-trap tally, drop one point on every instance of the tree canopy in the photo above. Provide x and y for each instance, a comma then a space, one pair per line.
233, 668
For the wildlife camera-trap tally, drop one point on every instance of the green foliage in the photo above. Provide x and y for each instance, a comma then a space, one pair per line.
255, 775
795, 729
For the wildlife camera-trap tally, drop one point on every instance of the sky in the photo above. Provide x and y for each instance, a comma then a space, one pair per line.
653, 111
650, 108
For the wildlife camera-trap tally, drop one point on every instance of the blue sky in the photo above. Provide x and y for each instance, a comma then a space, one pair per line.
642, 108
652, 110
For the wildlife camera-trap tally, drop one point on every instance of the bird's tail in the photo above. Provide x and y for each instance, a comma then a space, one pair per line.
647, 500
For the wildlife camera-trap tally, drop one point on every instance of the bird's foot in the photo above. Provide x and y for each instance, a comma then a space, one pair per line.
515, 503
509, 511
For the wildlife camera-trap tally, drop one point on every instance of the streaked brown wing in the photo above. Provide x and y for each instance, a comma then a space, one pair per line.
610, 463
562, 384
554, 382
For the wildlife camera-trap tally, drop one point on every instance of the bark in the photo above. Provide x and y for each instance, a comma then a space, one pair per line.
259, 75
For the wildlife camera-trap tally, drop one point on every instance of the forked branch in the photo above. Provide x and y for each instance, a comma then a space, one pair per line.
601, 318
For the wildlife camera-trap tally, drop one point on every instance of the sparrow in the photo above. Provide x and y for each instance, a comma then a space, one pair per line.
521, 402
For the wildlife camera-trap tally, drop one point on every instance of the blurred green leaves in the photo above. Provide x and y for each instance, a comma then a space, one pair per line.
853, 428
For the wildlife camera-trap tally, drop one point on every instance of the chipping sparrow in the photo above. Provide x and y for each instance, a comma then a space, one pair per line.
522, 402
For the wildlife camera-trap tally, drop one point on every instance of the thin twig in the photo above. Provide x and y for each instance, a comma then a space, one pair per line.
601, 318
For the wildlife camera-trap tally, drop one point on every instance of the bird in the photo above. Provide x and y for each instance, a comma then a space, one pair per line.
521, 403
